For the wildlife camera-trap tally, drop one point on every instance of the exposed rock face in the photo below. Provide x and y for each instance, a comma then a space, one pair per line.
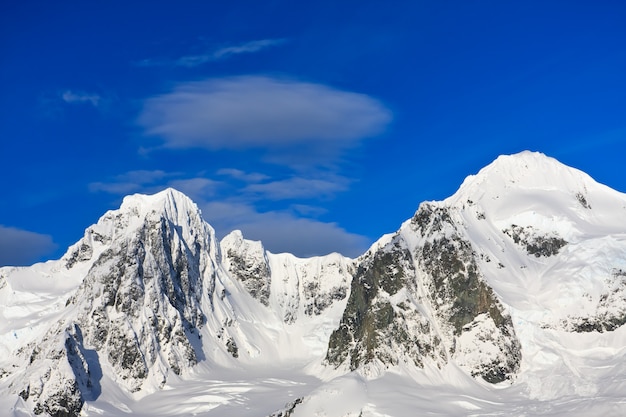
308, 288
421, 297
153, 275
535, 243
145, 292
246, 261
610, 309
288, 410
380, 322
61, 376
139, 305
149, 293
482, 334
293, 287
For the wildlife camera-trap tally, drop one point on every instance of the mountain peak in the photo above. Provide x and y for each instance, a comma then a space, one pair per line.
135, 212
524, 172
170, 204
532, 167
170, 201
498, 281
528, 169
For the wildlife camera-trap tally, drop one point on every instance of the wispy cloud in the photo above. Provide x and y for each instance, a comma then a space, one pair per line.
81, 97
298, 188
303, 126
227, 52
249, 177
305, 210
145, 181
21, 247
247, 48
218, 54
234, 201
197, 188
54, 104
284, 117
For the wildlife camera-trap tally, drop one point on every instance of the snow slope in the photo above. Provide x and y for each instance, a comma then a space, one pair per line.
518, 279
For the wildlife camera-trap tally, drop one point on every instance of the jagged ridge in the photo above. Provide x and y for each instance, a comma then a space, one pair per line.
148, 292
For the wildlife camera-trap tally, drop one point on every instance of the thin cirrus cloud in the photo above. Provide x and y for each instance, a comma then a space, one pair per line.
281, 230
249, 177
146, 181
298, 188
196, 188
227, 52
21, 247
81, 97
191, 61
248, 47
254, 112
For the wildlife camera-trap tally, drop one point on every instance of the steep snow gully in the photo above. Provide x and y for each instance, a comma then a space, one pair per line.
506, 299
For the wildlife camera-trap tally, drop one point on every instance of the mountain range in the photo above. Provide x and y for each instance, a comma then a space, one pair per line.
506, 299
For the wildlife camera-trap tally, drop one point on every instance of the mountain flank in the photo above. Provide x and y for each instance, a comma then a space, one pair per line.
527, 258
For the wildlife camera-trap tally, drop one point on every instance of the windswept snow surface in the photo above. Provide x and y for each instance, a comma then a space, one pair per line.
548, 239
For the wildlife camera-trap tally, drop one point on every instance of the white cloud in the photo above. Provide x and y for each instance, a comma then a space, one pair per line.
253, 112
21, 247
191, 61
196, 188
284, 232
308, 210
234, 204
80, 97
145, 181
250, 177
226, 52
298, 187
246, 48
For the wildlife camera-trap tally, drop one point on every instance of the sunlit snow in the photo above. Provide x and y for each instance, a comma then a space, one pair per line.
282, 342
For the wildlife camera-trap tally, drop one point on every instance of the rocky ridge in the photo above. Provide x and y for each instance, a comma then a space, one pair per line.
149, 293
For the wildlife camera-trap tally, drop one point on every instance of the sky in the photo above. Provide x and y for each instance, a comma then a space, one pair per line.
315, 127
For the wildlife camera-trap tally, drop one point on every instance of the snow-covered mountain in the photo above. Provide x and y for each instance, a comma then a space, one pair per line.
508, 298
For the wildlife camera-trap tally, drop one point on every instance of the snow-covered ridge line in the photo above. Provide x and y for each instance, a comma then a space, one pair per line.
518, 280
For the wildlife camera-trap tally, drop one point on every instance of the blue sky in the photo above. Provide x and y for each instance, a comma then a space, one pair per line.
313, 126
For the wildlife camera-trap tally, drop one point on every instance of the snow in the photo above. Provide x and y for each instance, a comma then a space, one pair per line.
282, 344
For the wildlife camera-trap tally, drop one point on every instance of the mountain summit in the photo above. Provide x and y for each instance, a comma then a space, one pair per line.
511, 291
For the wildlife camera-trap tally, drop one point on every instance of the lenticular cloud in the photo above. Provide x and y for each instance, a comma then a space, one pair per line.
261, 112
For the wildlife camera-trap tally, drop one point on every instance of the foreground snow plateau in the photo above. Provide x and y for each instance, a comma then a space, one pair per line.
506, 299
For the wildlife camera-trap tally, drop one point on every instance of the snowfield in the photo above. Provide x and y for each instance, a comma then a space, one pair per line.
519, 278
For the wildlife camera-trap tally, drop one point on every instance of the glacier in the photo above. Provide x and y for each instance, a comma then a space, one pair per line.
507, 298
